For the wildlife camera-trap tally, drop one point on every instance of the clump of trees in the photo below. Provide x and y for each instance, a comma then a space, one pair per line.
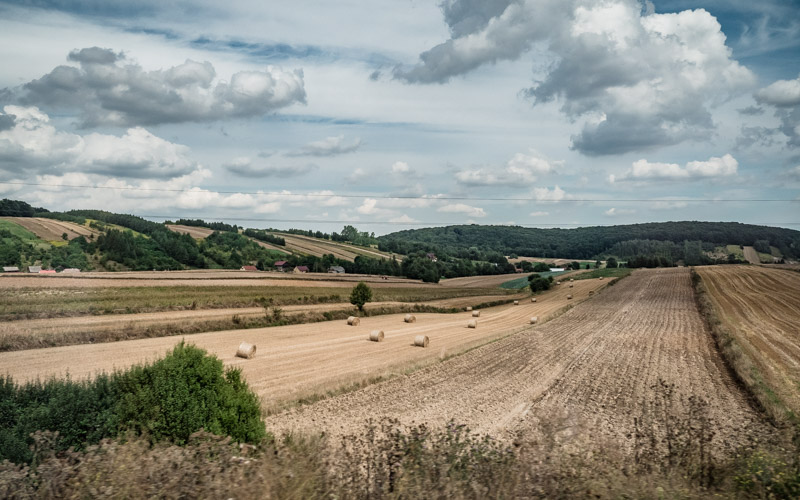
539, 283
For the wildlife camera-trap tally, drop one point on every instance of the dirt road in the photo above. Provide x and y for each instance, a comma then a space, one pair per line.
299, 360
761, 308
594, 367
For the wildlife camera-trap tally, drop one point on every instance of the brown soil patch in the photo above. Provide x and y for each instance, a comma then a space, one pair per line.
594, 367
299, 360
52, 230
760, 307
751, 256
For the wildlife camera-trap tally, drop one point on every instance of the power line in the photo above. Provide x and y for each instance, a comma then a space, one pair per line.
428, 198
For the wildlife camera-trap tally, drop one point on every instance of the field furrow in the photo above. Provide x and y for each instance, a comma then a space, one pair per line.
598, 367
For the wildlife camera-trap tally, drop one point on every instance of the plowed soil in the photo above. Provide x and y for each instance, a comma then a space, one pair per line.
751, 256
299, 360
761, 308
52, 230
193, 231
595, 366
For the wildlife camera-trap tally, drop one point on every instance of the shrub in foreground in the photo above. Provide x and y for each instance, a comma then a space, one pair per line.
186, 391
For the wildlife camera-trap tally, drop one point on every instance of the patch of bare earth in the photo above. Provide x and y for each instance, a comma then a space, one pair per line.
595, 367
301, 360
52, 230
760, 307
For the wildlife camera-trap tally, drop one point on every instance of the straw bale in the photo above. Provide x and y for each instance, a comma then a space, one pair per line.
410, 318
421, 341
376, 335
353, 321
246, 351
472, 324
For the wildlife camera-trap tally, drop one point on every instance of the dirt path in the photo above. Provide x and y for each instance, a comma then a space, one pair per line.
299, 360
761, 308
751, 256
594, 367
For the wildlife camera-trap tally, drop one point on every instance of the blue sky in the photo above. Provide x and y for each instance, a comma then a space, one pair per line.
405, 113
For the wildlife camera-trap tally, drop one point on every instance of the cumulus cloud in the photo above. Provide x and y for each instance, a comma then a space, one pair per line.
616, 212
520, 171
34, 146
330, 146
715, 167
545, 194
644, 80
244, 167
107, 90
784, 96
782, 93
403, 219
539, 214
462, 208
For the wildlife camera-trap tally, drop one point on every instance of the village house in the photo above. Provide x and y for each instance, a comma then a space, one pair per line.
336, 270
300, 269
10, 269
248, 268
280, 265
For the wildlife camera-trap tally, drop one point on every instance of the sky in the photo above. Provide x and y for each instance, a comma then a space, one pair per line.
399, 114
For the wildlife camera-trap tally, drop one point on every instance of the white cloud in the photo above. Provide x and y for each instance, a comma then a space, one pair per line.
652, 77
329, 146
539, 214
462, 208
106, 90
401, 168
715, 167
614, 212
782, 93
520, 171
33, 146
403, 219
245, 167
367, 207
545, 194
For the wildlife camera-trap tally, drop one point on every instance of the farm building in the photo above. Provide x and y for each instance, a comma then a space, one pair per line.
34, 269
336, 270
47, 271
71, 270
280, 265
300, 269
556, 269
431, 257
10, 269
248, 268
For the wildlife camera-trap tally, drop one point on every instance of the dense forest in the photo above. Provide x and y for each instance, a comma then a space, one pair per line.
588, 242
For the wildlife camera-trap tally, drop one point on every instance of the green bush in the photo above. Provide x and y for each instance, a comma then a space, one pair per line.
360, 295
170, 399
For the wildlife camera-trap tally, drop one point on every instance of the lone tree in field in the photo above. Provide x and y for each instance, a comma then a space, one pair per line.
360, 295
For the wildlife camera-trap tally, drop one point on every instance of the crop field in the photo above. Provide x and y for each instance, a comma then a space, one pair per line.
601, 367
52, 230
760, 308
301, 360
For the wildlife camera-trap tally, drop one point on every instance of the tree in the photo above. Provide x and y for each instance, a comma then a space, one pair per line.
611, 262
597, 264
360, 295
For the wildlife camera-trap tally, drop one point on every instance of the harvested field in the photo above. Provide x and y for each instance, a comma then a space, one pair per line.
193, 231
760, 307
52, 230
596, 368
319, 247
479, 281
301, 360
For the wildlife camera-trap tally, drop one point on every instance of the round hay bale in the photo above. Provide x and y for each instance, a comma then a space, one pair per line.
469, 308
476, 314
410, 318
558, 282
246, 351
534, 319
421, 341
516, 302
472, 324
570, 285
533, 299
376, 335
572, 279
601, 277
591, 292
353, 321
569, 297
